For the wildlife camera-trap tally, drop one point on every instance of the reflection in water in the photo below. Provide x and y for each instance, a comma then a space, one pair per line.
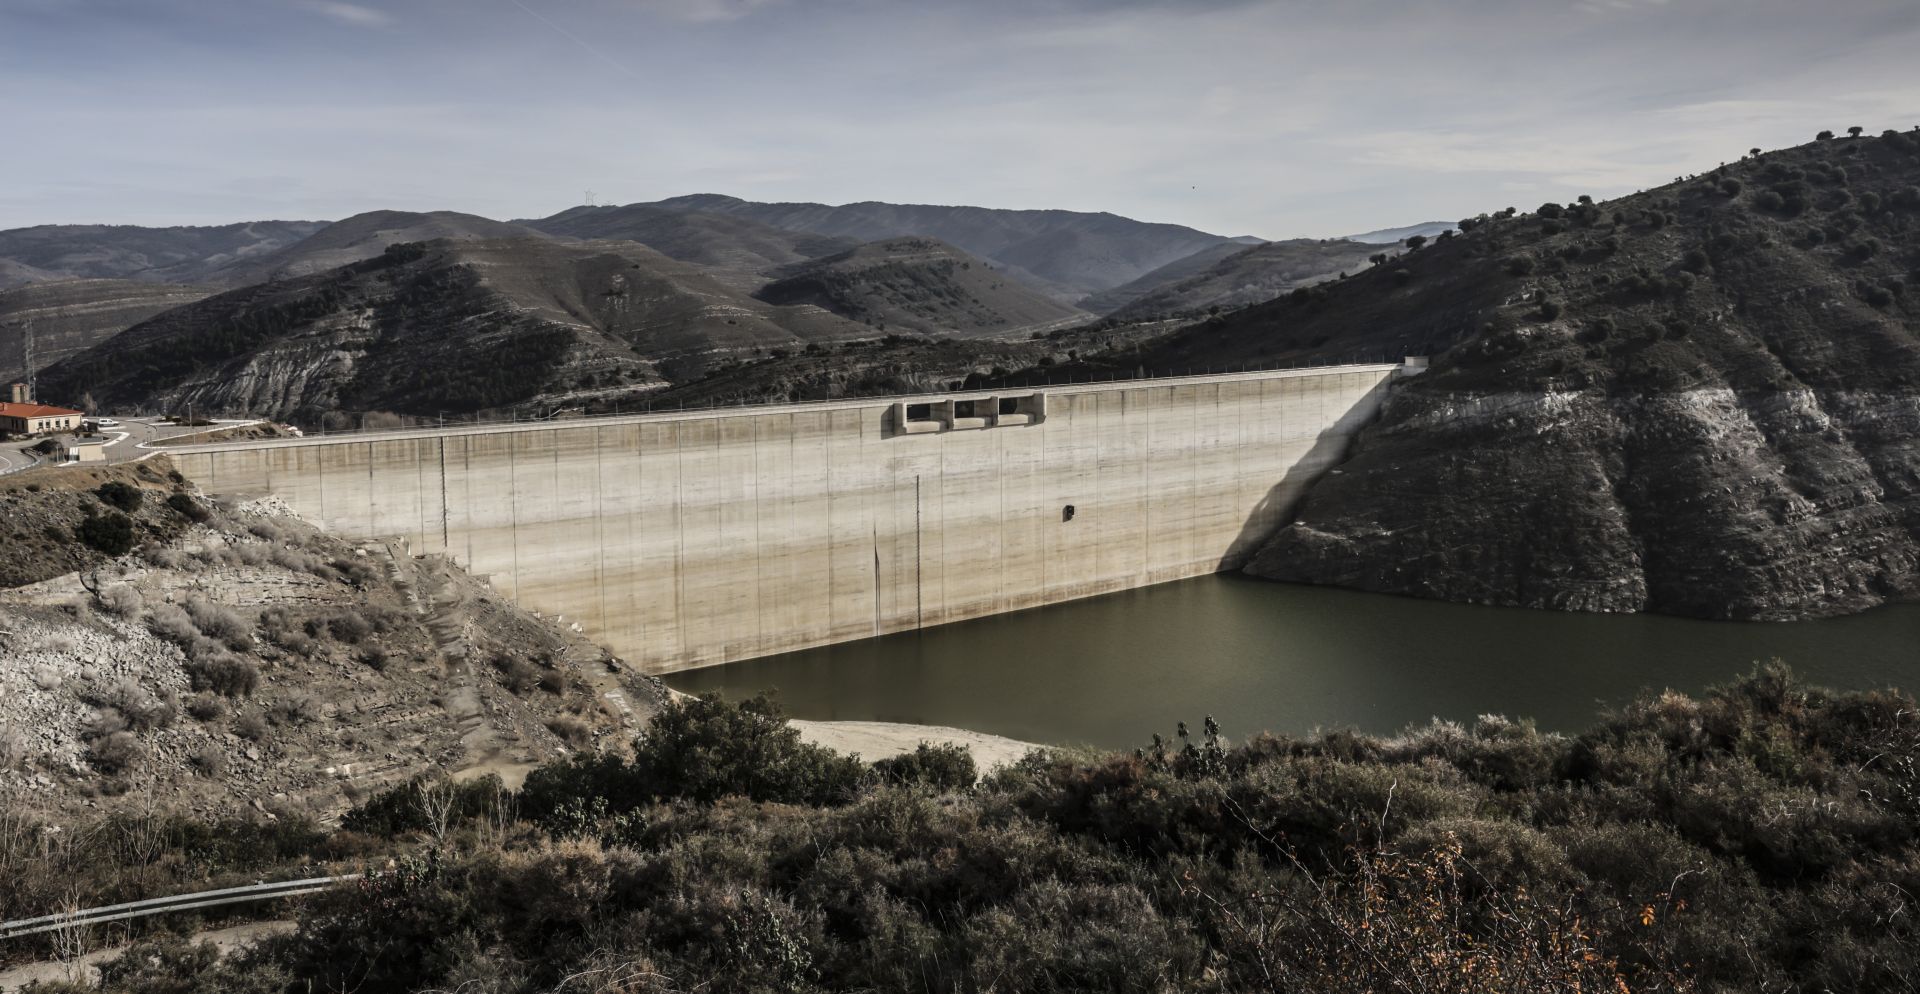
1112, 670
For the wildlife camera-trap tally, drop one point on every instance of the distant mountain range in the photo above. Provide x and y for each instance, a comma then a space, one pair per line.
1066, 253
453, 325
411, 311
150, 255
745, 250
1231, 275
920, 285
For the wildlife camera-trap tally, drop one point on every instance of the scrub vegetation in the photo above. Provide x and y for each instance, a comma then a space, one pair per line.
1759, 838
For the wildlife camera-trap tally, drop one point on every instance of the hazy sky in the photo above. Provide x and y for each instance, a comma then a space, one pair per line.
1275, 118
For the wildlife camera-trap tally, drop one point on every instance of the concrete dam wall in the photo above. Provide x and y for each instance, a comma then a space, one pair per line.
691, 539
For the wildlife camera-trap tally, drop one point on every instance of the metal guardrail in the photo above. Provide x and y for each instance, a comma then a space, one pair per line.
1012, 383
177, 902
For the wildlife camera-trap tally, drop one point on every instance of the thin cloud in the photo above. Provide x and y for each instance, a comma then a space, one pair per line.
349, 13
577, 40
703, 11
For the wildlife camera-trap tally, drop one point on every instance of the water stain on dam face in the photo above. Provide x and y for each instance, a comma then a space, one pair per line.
685, 540
1257, 655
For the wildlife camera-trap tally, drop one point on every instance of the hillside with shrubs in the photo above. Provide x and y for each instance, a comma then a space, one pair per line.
1697, 400
164, 649
1761, 837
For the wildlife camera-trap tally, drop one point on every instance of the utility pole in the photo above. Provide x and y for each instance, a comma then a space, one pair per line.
33, 386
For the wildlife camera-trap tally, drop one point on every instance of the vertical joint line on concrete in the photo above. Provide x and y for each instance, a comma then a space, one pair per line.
919, 562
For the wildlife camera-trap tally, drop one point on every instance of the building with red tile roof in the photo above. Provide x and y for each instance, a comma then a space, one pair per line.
37, 419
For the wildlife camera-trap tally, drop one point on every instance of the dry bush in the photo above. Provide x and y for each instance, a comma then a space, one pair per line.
13, 748
556, 682
250, 726
115, 753
291, 559
223, 673
296, 710
343, 625
122, 600
221, 622
169, 622
572, 731
265, 530
208, 761
517, 674
46, 677
161, 557
206, 707
143, 710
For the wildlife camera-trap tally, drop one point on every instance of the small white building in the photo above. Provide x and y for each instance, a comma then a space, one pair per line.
83, 448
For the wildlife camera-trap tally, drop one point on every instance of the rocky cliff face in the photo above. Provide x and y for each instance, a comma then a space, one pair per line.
1703, 400
1701, 502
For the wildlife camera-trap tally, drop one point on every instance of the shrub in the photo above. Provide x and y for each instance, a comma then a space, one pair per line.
120, 495
224, 674
572, 731
426, 803
1695, 261
169, 622
516, 673
1520, 265
1550, 210
206, 707
374, 658
208, 761
344, 626
250, 726
220, 622
141, 710
1549, 310
112, 534
187, 507
944, 768
115, 753
122, 600
707, 748
295, 710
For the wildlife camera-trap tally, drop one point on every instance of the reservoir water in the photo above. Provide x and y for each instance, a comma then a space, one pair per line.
1110, 671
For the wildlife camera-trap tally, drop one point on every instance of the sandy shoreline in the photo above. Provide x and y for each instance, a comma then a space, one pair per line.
880, 739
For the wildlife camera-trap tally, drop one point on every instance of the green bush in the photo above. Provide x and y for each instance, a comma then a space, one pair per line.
187, 507
415, 805
944, 768
111, 534
124, 496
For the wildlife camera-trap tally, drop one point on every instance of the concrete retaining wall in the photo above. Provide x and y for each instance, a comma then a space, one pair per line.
684, 540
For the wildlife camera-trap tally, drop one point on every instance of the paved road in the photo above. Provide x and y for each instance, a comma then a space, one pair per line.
123, 442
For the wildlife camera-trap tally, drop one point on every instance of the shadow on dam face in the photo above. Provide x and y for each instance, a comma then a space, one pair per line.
685, 540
